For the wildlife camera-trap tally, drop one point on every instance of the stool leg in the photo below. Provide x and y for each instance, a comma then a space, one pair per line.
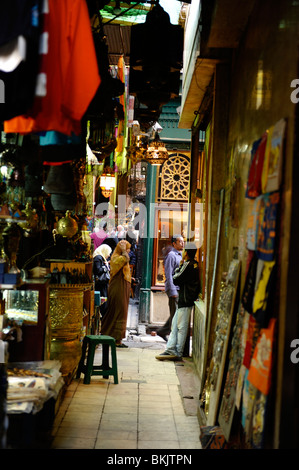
89, 364
114, 363
81, 363
105, 359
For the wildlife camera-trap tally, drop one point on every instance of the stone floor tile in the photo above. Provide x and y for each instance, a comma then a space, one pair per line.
120, 444
120, 410
161, 420
152, 393
92, 392
119, 418
59, 416
160, 435
114, 426
65, 442
190, 445
158, 445
77, 432
156, 387
145, 425
87, 401
81, 417
122, 435
188, 420
71, 422
73, 406
121, 400
188, 436
155, 405
149, 398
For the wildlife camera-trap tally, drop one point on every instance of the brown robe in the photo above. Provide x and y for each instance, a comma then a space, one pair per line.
114, 322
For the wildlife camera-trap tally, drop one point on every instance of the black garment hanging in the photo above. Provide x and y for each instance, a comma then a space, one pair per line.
20, 18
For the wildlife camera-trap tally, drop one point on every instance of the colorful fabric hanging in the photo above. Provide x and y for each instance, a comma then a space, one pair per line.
253, 222
261, 364
254, 184
72, 72
272, 171
268, 227
262, 304
122, 134
19, 58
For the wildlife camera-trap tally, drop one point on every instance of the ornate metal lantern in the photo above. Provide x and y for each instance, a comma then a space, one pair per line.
156, 153
107, 182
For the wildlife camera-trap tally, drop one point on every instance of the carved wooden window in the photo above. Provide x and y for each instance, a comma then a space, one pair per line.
174, 178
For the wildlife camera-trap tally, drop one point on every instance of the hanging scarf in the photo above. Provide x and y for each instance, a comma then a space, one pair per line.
120, 261
102, 250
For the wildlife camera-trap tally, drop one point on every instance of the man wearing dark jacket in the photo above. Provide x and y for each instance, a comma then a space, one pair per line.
171, 262
186, 276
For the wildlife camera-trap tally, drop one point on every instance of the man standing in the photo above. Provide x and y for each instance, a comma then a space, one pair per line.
171, 262
187, 278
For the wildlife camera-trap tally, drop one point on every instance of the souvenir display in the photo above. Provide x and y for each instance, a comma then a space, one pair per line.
272, 169
253, 222
254, 185
228, 402
249, 286
225, 312
261, 364
264, 295
268, 228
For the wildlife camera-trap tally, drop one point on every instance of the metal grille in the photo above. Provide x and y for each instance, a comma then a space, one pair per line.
174, 178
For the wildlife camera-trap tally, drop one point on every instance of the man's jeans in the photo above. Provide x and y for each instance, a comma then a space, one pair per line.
166, 328
179, 330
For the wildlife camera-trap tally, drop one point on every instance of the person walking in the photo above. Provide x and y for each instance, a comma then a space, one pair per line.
171, 262
101, 273
115, 321
99, 235
186, 276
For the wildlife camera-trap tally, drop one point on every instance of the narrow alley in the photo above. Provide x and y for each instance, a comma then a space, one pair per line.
150, 407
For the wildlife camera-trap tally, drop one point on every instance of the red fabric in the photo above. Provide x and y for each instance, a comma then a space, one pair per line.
254, 186
260, 370
72, 72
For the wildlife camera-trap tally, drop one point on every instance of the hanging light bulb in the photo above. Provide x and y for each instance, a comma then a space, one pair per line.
117, 9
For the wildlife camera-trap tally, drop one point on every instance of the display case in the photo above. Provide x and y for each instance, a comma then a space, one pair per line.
27, 321
22, 306
172, 219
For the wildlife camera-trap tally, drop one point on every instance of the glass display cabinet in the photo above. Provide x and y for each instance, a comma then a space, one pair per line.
22, 306
171, 219
27, 318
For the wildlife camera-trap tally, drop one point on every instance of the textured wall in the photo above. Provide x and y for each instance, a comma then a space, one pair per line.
258, 95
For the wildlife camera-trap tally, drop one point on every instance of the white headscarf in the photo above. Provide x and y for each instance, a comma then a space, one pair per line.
103, 250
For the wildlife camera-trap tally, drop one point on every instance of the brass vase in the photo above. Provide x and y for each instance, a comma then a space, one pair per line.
66, 310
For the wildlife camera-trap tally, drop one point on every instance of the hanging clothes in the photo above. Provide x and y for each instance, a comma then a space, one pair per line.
19, 58
71, 69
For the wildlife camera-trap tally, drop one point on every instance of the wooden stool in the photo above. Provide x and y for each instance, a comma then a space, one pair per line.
88, 369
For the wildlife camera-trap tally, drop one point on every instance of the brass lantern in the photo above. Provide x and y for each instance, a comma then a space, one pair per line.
107, 182
156, 153
137, 151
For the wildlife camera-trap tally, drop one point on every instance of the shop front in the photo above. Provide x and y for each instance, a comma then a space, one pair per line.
242, 323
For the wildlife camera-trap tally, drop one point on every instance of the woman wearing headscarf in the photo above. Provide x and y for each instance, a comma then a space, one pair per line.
101, 272
115, 321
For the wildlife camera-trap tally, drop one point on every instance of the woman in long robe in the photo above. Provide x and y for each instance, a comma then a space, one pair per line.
114, 322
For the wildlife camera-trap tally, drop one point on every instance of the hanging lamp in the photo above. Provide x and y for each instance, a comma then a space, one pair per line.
137, 151
156, 153
107, 182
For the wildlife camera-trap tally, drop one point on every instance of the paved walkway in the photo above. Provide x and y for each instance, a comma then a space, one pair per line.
146, 410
